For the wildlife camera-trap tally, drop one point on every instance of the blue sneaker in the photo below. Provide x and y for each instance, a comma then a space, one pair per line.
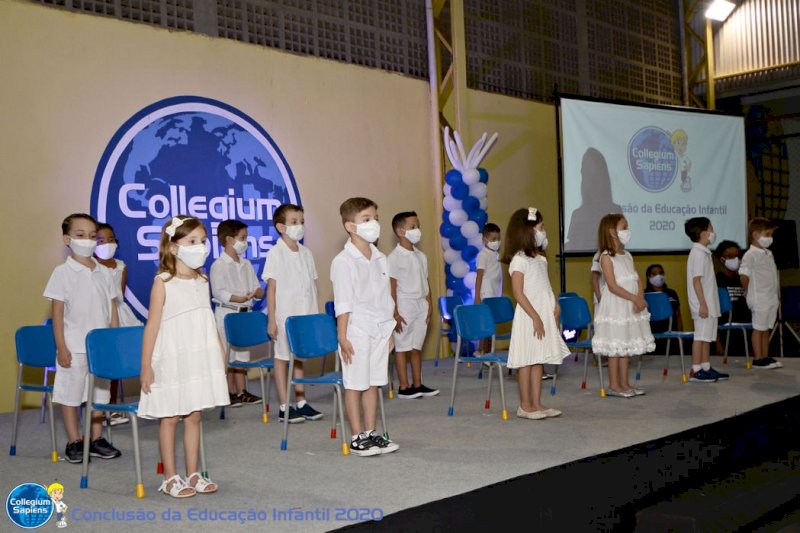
719, 375
702, 376
308, 412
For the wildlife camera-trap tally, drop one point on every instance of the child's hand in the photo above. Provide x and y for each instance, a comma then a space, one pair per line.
147, 377
391, 343
272, 330
639, 305
538, 328
703, 312
64, 357
400, 323
347, 351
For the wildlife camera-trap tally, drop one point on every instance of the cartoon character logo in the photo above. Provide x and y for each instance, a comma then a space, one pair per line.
680, 140
56, 492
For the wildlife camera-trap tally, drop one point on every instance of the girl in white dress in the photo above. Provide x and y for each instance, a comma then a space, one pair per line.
621, 322
183, 363
535, 335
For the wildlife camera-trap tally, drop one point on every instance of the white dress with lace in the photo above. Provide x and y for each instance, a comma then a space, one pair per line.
618, 331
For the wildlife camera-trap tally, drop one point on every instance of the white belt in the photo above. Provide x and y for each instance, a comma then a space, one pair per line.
238, 309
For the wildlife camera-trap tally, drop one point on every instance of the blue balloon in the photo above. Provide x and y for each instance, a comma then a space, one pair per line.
447, 272
459, 191
455, 284
484, 175
453, 178
458, 242
447, 230
479, 217
469, 253
470, 203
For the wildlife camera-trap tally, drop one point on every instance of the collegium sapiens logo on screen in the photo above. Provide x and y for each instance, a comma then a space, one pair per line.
652, 160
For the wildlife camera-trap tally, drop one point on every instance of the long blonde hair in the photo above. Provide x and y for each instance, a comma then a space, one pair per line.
166, 259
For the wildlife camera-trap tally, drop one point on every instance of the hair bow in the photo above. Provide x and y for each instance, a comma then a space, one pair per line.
532, 213
174, 224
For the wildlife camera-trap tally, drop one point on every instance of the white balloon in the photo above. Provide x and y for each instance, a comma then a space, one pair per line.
484, 203
451, 204
459, 269
476, 241
478, 190
470, 229
457, 217
469, 280
471, 176
451, 256
446, 191
445, 243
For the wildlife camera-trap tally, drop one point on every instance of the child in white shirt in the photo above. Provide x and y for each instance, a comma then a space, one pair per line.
291, 277
234, 289
489, 279
408, 272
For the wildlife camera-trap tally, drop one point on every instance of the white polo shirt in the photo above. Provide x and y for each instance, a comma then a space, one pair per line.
87, 295
492, 282
231, 278
758, 264
699, 264
410, 269
296, 277
361, 287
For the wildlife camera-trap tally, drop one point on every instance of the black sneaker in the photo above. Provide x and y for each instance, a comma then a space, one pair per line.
425, 391
103, 449
409, 393
702, 376
236, 400
764, 363
383, 444
719, 375
777, 363
294, 416
245, 398
308, 412
74, 452
364, 446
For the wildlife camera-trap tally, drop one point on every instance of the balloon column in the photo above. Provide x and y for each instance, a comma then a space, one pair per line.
464, 213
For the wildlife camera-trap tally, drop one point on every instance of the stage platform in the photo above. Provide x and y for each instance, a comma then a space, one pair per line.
469, 471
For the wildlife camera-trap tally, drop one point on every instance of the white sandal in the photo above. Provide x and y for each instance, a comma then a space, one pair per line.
203, 485
178, 487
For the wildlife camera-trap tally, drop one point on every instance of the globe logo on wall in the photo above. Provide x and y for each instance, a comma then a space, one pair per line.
29, 506
192, 156
652, 159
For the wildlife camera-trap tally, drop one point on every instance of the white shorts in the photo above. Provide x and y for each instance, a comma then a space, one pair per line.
370, 363
414, 312
705, 329
764, 319
282, 342
71, 385
219, 315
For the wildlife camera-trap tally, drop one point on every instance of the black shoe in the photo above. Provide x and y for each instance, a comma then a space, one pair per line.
775, 362
364, 446
294, 416
719, 375
425, 391
765, 363
702, 376
409, 393
103, 449
384, 445
308, 412
74, 452
236, 400
546, 376
245, 398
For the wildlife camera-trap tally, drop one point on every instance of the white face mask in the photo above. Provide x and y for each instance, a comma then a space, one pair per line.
414, 235
711, 237
296, 232
106, 251
624, 236
732, 264
369, 231
765, 242
541, 239
657, 280
82, 247
240, 247
493, 245
193, 256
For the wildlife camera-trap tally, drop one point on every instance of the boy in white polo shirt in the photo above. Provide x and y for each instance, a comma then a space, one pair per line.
291, 278
759, 277
701, 286
234, 289
489, 279
408, 273
365, 321
82, 292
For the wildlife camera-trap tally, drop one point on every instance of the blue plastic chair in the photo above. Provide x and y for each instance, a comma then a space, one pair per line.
575, 316
447, 305
36, 347
246, 330
474, 323
568, 295
46, 380
503, 312
330, 310
661, 309
726, 308
788, 312
311, 337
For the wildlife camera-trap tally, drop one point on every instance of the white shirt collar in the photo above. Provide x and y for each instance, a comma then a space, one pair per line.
760, 250
351, 249
77, 267
702, 247
406, 251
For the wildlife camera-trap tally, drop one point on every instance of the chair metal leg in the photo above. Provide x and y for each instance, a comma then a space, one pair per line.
289, 390
203, 466
264, 399
555, 381
87, 433
488, 403
727, 341
504, 413
392, 365
684, 379
455, 374
666, 355
45, 382
345, 445
639, 368
335, 415
747, 363
383, 413
600, 374
13, 450
137, 458
53, 451
585, 367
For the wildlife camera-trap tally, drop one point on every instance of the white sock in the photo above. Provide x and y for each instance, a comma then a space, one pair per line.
368, 432
283, 407
301, 404
706, 366
696, 368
